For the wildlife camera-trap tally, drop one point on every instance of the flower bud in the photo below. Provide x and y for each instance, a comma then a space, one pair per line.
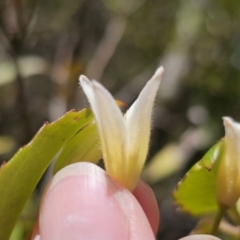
228, 188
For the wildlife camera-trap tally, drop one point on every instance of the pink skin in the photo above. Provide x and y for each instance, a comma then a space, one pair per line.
84, 202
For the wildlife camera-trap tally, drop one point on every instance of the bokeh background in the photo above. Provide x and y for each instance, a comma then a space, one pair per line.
45, 46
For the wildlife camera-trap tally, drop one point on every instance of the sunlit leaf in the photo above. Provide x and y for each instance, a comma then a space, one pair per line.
84, 146
20, 175
166, 162
213, 154
196, 192
7, 144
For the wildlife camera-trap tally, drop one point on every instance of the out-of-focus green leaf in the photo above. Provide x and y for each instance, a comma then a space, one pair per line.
166, 162
28, 66
20, 175
84, 146
196, 192
8, 72
7, 144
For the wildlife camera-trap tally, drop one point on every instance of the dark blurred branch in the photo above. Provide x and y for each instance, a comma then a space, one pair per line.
68, 64
12, 38
176, 58
4, 38
113, 34
65, 70
21, 103
130, 91
19, 14
106, 48
30, 20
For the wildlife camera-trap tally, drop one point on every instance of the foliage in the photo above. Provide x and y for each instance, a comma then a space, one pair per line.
46, 45
19, 177
196, 192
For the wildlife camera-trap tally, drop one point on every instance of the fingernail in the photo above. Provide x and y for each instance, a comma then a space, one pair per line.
83, 202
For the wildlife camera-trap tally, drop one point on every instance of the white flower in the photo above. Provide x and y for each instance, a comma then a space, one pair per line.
124, 139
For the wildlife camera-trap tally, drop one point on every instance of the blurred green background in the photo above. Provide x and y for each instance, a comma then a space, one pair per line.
46, 45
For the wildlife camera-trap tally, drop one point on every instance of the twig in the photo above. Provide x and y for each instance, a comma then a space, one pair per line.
217, 220
106, 48
21, 104
112, 36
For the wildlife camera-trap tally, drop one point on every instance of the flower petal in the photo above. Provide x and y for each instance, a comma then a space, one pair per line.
111, 127
138, 121
228, 190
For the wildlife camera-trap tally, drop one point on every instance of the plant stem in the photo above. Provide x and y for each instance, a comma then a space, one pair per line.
218, 219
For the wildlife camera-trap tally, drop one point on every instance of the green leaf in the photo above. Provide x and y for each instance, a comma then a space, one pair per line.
88, 150
213, 154
20, 175
17, 233
84, 146
196, 192
164, 163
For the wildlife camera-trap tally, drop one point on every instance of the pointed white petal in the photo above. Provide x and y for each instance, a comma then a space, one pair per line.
138, 121
232, 137
87, 87
228, 190
111, 127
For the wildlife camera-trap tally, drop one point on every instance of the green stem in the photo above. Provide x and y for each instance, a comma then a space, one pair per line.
217, 220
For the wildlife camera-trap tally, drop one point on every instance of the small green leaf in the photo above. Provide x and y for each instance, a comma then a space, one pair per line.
213, 154
84, 146
196, 192
164, 163
20, 175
